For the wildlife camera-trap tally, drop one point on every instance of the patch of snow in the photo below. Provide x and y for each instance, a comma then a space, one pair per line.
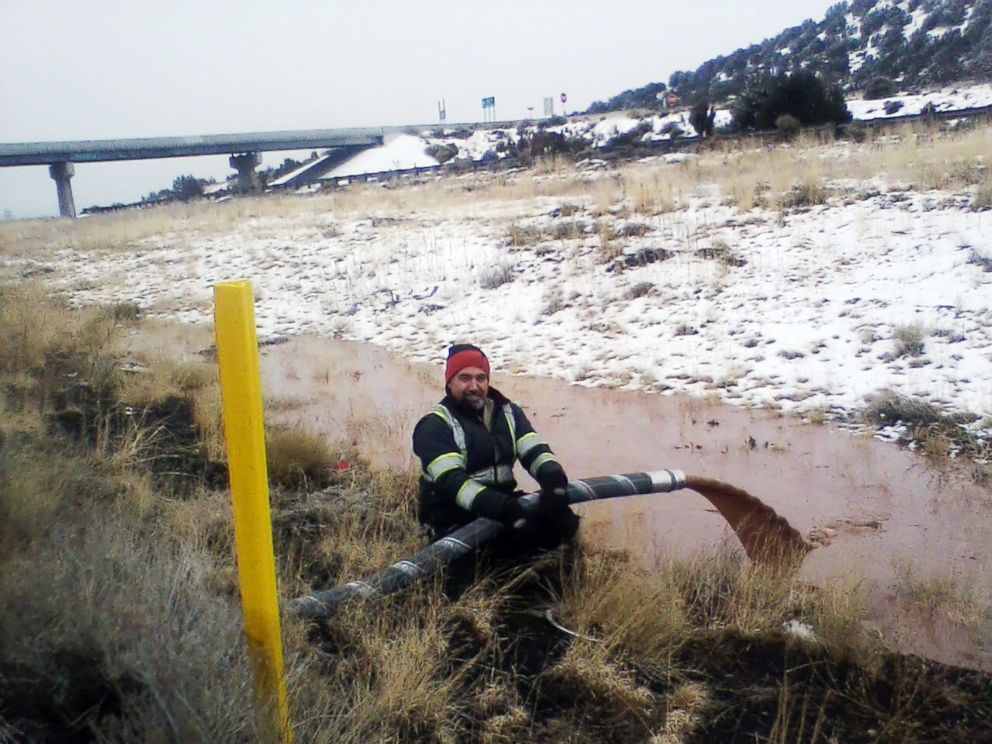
400, 152
916, 19
806, 321
949, 98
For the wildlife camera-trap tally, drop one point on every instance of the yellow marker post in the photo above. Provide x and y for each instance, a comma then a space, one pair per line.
241, 390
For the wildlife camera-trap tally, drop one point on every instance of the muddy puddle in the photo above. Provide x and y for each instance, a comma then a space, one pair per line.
917, 541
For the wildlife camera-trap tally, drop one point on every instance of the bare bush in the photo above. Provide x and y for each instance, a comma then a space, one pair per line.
521, 235
552, 300
496, 275
788, 124
983, 194
806, 194
641, 289
908, 341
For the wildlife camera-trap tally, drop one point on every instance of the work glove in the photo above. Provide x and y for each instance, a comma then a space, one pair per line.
553, 487
551, 476
553, 499
503, 508
512, 514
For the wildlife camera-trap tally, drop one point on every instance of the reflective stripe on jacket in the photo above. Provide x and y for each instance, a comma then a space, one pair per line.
461, 459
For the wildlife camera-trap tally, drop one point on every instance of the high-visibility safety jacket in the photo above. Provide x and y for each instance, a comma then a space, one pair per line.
468, 468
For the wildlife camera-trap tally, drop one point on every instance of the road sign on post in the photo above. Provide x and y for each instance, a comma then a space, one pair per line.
489, 108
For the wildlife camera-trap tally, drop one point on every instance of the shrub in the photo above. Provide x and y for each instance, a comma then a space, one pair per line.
552, 300
909, 340
641, 289
703, 118
297, 459
787, 124
983, 195
496, 276
879, 87
857, 132
803, 195
442, 153
801, 94
187, 187
571, 230
632, 136
551, 143
634, 230
980, 260
521, 235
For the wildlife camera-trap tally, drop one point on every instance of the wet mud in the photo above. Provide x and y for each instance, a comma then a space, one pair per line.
885, 521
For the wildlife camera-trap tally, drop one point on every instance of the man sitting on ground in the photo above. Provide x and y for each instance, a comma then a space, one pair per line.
468, 445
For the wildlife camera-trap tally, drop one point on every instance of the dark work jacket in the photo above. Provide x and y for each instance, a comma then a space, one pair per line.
433, 438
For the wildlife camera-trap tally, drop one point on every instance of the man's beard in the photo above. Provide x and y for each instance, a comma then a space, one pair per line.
472, 404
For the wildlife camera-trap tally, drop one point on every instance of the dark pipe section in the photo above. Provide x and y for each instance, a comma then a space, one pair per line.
473, 536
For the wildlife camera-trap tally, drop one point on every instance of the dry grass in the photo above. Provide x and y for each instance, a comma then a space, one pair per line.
37, 333
140, 588
390, 679
161, 376
747, 174
141, 606
522, 235
908, 340
941, 436
796, 175
983, 193
939, 596
297, 459
652, 615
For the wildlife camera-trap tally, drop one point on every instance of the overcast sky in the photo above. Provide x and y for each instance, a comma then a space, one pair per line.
71, 69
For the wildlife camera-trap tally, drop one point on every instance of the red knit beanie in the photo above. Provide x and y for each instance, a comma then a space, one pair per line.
461, 356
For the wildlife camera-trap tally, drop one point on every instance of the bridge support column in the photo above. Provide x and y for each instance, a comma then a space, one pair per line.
245, 165
62, 172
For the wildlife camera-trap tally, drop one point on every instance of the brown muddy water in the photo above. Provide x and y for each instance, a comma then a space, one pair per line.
915, 541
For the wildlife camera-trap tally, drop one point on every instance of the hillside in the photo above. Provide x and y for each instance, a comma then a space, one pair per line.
871, 46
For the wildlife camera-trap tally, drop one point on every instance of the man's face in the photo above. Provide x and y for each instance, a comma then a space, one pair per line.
470, 387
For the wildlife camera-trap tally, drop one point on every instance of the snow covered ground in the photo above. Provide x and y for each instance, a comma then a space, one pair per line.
804, 310
601, 130
810, 310
406, 151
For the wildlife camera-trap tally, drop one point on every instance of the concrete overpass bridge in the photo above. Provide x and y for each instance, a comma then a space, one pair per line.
244, 150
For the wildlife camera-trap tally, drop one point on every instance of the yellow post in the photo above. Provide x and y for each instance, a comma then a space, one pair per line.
241, 390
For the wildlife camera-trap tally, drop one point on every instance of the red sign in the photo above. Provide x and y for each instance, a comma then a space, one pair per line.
563, 98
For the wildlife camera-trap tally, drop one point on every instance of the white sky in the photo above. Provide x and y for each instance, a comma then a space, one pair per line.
71, 69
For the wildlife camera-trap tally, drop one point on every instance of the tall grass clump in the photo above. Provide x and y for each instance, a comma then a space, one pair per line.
983, 193
654, 614
908, 340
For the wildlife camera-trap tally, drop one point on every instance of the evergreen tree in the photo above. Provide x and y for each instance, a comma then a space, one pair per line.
801, 94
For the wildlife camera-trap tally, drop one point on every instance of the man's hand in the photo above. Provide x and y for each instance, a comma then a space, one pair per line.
553, 499
512, 514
